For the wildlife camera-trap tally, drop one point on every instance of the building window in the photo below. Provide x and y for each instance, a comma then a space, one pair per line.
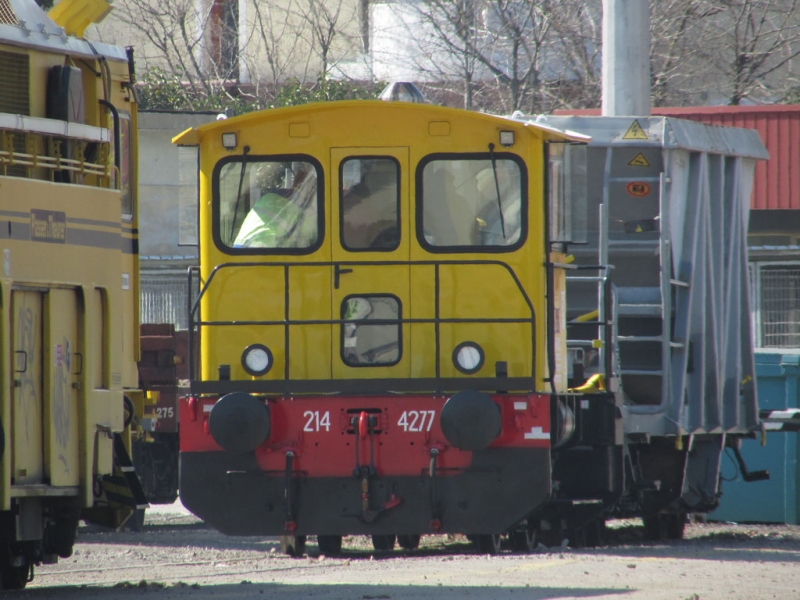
224, 43
363, 21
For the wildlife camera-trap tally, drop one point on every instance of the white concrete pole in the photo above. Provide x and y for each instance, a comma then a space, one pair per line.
244, 73
626, 58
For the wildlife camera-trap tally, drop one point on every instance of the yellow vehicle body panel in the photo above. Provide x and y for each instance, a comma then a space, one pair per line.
28, 403
65, 355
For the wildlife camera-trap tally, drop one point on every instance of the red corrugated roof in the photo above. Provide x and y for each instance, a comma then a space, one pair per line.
777, 181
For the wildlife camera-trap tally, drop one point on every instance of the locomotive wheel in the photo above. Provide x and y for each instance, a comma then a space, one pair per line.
577, 538
594, 533
523, 539
652, 528
664, 526
408, 542
62, 533
487, 543
674, 525
552, 538
383, 543
135, 522
293, 545
329, 545
15, 578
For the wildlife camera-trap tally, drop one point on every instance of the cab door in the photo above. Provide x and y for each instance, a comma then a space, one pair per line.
370, 252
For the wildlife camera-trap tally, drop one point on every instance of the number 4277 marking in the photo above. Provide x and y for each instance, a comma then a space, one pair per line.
416, 420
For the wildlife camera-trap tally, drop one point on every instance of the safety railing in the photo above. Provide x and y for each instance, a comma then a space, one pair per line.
38, 148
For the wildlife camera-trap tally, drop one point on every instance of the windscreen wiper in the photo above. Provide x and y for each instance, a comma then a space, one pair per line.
239, 191
497, 189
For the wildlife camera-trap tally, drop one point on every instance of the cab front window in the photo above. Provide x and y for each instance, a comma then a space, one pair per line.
470, 203
268, 205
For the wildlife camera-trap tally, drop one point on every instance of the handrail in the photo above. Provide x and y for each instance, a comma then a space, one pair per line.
53, 158
54, 127
286, 322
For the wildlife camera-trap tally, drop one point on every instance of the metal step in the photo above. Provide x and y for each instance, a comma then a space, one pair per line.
653, 373
639, 302
648, 338
639, 310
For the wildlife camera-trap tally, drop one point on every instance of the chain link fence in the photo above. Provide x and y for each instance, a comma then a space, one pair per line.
776, 295
164, 298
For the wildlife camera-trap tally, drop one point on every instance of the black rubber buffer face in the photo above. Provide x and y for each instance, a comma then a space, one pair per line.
470, 420
239, 422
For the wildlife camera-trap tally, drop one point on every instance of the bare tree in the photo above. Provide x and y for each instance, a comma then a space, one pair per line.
516, 52
572, 57
674, 24
174, 36
334, 30
446, 46
751, 45
287, 52
212, 46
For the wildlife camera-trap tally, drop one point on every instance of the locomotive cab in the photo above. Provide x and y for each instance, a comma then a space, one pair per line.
377, 317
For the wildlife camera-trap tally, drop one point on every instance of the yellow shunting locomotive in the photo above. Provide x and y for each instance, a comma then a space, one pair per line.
68, 286
391, 337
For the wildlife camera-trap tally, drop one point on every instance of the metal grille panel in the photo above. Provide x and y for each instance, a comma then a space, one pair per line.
7, 16
14, 72
780, 307
163, 299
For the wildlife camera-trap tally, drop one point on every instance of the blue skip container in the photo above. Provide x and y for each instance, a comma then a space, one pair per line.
775, 500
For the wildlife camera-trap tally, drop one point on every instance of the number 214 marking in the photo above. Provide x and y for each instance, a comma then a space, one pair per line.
316, 421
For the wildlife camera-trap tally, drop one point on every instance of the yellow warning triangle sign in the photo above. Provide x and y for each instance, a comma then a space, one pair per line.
639, 161
635, 132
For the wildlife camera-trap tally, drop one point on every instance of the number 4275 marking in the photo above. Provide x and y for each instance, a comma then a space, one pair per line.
416, 420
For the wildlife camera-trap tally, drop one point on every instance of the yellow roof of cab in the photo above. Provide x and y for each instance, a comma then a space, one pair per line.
194, 136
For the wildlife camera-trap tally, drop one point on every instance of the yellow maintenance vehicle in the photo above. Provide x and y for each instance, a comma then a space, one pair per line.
68, 284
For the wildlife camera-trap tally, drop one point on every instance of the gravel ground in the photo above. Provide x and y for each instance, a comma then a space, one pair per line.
178, 557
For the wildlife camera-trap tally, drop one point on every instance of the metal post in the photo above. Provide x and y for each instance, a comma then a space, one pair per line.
626, 58
602, 243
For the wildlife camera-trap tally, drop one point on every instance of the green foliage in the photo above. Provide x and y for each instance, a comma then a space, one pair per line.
45, 4
325, 90
159, 90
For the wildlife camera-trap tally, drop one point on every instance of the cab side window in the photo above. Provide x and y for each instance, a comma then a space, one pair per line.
268, 205
470, 204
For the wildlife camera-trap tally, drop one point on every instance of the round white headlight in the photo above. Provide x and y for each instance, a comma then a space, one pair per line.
257, 359
468, 357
